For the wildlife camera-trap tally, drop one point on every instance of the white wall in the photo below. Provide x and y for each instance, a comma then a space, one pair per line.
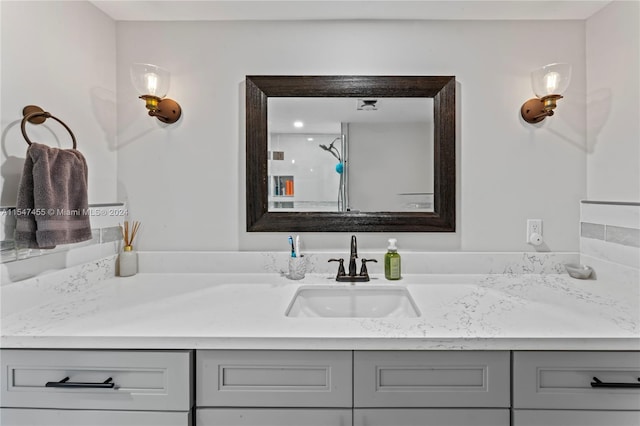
508, 170
60, 56
613, 103
388, 159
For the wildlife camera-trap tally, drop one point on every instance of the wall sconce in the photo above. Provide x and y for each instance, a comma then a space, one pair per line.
549, 82
152, 82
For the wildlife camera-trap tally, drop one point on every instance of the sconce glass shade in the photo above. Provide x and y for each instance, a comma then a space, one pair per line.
150, 80
152, 83
552, 79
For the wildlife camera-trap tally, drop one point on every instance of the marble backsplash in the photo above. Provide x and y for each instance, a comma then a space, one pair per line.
18, 264
317, 262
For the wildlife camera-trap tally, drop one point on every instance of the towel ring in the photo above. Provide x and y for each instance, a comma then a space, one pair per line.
36, 115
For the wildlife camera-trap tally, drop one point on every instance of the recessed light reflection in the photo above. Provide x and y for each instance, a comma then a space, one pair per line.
298, 124
310, 139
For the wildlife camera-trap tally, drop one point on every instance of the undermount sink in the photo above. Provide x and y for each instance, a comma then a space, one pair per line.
352, 301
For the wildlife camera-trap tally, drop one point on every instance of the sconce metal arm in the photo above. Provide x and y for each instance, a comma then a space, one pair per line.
537, 109
165, 110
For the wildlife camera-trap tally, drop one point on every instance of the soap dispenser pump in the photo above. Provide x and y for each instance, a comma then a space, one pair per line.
392, 261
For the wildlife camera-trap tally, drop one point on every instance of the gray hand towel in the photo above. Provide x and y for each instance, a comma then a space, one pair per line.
52, 206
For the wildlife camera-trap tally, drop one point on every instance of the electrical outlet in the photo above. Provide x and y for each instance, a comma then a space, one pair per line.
534, 226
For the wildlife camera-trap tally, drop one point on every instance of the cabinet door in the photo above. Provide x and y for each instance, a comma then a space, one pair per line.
429, 417
563, 380
37, 417
431, 379
272, 417
230, 378
575, 418
74, 379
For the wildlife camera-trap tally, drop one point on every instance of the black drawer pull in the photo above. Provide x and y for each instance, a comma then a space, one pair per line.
600, 384
65, 383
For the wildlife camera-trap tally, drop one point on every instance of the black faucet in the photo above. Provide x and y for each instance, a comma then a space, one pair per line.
353, 256
363, 276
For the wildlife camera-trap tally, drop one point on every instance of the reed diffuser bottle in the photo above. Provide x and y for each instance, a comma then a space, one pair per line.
128, 259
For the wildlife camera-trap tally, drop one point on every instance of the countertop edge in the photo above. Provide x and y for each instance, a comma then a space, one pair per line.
347, 343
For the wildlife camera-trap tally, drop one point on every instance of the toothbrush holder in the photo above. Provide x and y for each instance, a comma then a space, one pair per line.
297, 267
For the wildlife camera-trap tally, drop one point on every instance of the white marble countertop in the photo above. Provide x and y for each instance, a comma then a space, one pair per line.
247, 311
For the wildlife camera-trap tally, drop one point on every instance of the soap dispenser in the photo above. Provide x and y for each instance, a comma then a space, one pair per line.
392, 261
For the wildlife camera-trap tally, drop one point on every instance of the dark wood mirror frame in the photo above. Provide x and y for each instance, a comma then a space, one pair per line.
440, 88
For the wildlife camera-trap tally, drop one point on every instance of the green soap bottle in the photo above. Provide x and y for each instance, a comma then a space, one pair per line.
392, 261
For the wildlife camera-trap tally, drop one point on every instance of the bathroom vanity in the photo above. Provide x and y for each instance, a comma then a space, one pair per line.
177, 348
319, 388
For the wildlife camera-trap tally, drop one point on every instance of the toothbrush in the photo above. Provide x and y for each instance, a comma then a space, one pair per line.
298, 245
293, 248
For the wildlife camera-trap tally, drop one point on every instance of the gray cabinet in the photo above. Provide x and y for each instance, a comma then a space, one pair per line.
575, 418
319, 388
555, 388
57, 417
390, 388
273, 388
89, 387
230, 378
562, 380
432, 379
273, 417
430, 417
420, 388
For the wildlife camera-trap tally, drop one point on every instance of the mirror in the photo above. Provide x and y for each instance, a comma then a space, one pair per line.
350, 154
269, 183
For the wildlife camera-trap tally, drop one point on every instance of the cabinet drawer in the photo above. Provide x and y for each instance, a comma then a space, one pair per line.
562, 380
430, 417
51, 417
575, 418
227, 378
431, 379
143, 380
272, 417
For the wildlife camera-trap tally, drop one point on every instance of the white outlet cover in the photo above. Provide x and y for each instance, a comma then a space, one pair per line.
534, 226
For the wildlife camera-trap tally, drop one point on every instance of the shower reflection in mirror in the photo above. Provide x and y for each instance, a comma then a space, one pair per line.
307, 172
340, 168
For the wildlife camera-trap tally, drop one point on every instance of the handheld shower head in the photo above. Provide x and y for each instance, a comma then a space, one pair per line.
333, 150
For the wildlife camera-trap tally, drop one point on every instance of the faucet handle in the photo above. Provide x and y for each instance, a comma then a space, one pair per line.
341, 271
363, 269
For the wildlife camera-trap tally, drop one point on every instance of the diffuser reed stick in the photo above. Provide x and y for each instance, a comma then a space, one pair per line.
129, 236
